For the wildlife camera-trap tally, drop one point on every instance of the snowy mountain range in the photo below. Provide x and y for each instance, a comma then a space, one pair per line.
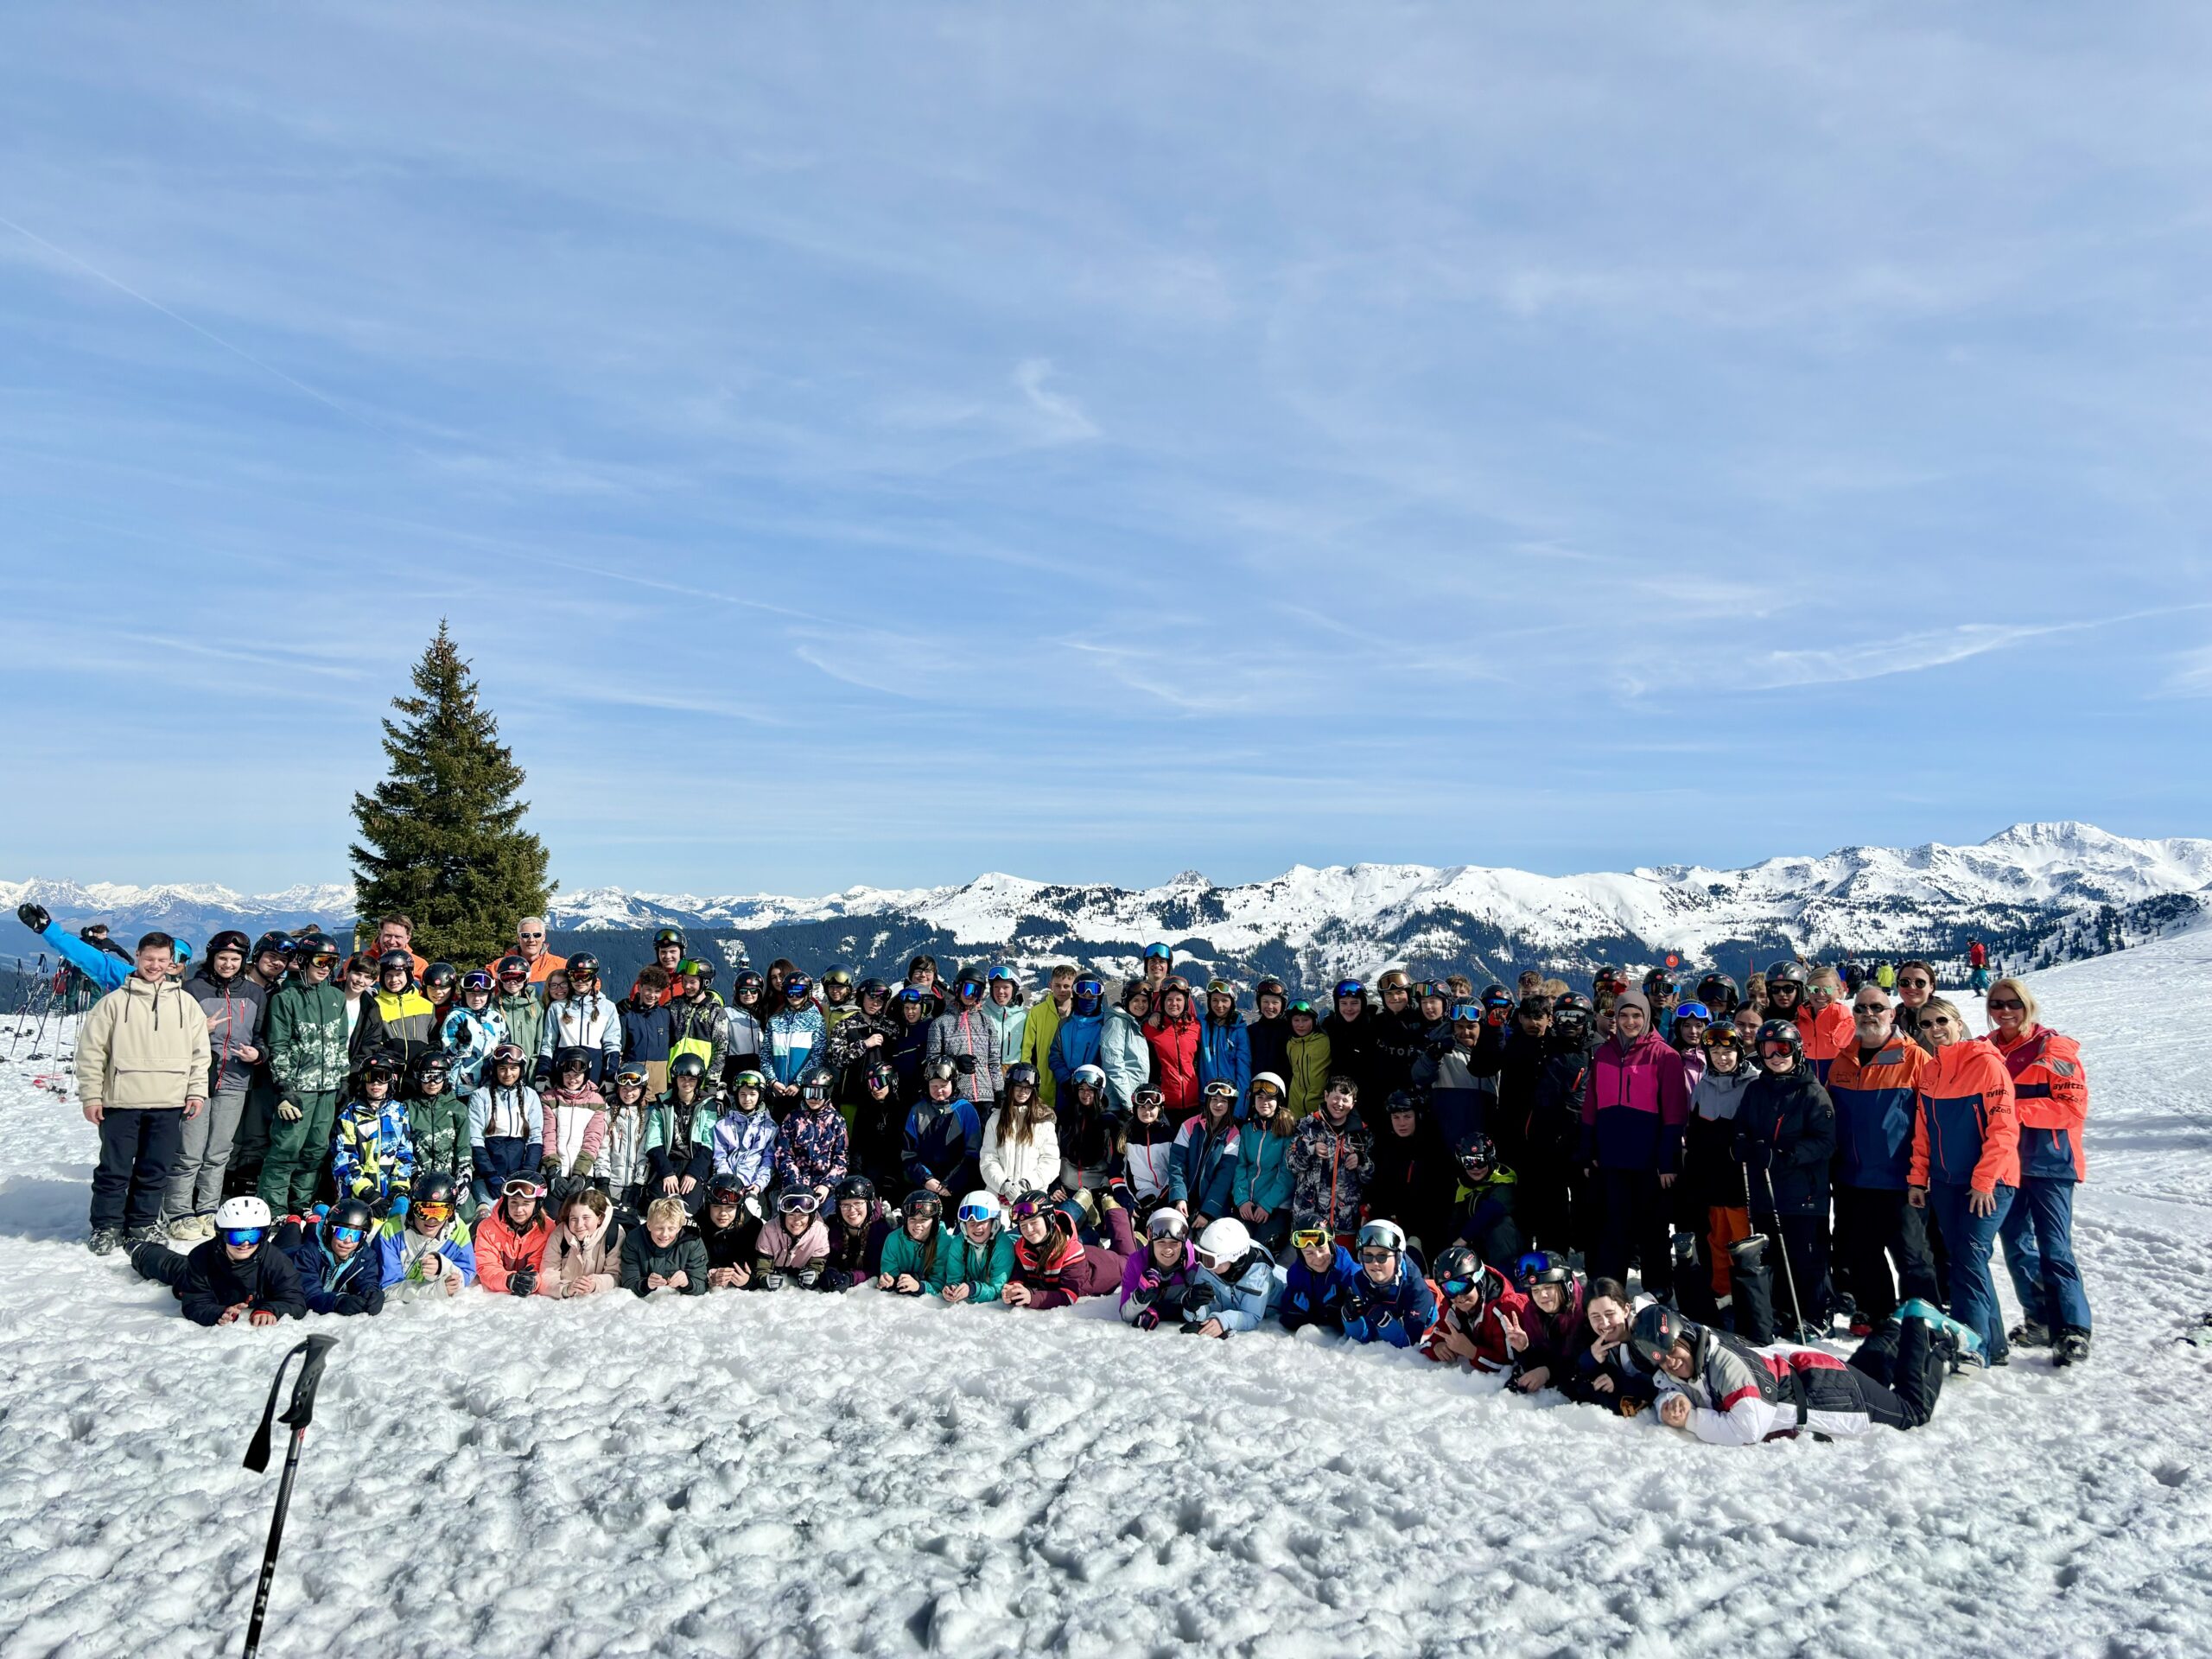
2035, 892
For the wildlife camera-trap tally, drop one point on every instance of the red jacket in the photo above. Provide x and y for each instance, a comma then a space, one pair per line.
2051, 1092
1965, 1128
1826, 1034
500, 1250
1064, 1268
1492, 1351
1174, 1045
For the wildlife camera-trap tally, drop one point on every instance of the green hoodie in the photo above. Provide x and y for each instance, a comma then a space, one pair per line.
983, 1268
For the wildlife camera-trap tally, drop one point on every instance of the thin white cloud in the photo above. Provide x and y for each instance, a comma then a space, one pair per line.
1065, 421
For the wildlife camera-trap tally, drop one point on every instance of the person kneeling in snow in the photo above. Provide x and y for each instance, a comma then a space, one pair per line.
427, 1252
1728, 1393
232, 1276
1389, 1302
1481, 1323
340, 1269
1322, 1275
664, 1254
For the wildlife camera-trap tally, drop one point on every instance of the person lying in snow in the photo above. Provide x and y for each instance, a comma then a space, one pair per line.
1728, 1393
235, 1275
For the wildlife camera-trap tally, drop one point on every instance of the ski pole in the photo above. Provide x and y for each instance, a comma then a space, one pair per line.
1781, 1248
298, 1415
23, 1013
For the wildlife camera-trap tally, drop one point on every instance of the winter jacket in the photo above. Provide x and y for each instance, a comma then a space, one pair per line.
400, 1250
1237, 1296
740, 1147
851, 1057
1399, 1313
1174, 1047
1553, 1337
1488, 1218
1224, 1055
648, 1031
503, 1250
812, 1148
1520, 1072
1826, 1034
907, 1054
1398, 1045
437, 1129
1075, 1042
1063, 1269
233, 1009
984, 1270
469, 1038
1552, 1138
1788, 1123
1011, 1169
1966, 1125
1739, 1396
1463, 1086
744, 1042
1124, 1056
570, 1260
1152, 1293
2051, 1092
1325, 1188
1351, 1050
1486, 1330
683, 1141
1873, 1112
1263, 1174
329, 1285
941, 1144
144, 1047
1268, 1041
400, 1023
1089, 1137
700, 1025
1311, 1065
967, 1035
306, 1039
734, 1246
506, 1132
781, 1250
1310, 1297
373, 1155
1710, 1171
103, 968
1203, 1172
855, 1253
1041, 1038
590, 1022
921, 1260
525, 1017
1411, 1180
641, 1259
1007, 1024
576, 1129
265, 1281
1635, 1102
1148, 1156
797, 1042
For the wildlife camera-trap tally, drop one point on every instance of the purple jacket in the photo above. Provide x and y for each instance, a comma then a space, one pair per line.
1635, 1102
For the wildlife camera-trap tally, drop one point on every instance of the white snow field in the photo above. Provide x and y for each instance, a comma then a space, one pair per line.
801, 1474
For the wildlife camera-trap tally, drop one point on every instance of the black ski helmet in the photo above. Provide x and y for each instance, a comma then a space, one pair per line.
423, 1068
571, 1056
1458, 1265
1788, 971
1779, 1030
403, 960
816, 1083
922, 1202
1657, 1329
583, 967
382, 1064
436, 1187
1479, 1156
351, 1212
687, 1065
669, 936
854, 1186
440, 973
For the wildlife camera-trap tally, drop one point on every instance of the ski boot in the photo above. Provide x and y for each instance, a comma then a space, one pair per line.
2030, 1333
2071, 1348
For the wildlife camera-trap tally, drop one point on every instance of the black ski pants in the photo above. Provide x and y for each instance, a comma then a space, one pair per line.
1875, 1231
138, 1146
1632, 1221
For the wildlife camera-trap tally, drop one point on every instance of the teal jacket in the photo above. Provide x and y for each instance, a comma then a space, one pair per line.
902, 1255
983, 1268
1263, 1174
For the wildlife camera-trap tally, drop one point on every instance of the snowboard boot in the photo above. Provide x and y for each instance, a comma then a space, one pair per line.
2071, 1348
2030, 1333
1754, 1290
103, 1240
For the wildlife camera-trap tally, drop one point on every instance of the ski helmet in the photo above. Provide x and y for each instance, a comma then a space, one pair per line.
978, 1205
439, 973
1090, 1074
350, 1212
1542, 1267
854, 1186
229, 939
881, 1076
583, 968
634, 1073
1303, 1006
747, 981
318, 947
1166, 1223
241, 1212
1394, 979
1351, 988
1780, 1031
1657, 1329
476, 980
797, 988
872, 988
748, 1078
1089, 993
1458, 1270
922, 1202
1159, 953
1403, 1100
271, 943
513, 967
941, 1070
564, 1059
1478, 1157
1021, 1071
381, 1064
1271, 1083
435, 1188
508, 1054
403, 960
817, 1082
669, 936
692, 968
1224, 1242
1497, 996
1789, 971
1716, 990
1271, 986
689, 1066
1692, 1011
1148, 1094
425, 1067
837, 974
1382, 1235
1722, 1035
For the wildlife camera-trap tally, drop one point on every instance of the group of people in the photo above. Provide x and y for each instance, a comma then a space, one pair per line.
1479, 1175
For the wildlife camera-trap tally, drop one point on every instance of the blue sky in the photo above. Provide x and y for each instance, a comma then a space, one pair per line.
878, 444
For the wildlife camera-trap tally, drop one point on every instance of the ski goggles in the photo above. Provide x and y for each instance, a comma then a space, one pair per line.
507, 1054
1032, 1203
728, 1195
1308, 1238
1149, 1095
1449, 1287
797, 1203
1159, 953
429, 1210
321, 958
979, 1212
476, 980
522, 1186
243, 1236
1350, 987
1468, 1014
349, 1235
837, 977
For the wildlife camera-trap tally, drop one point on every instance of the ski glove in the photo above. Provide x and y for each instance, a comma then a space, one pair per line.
522, 1282
289, 1110
34, 917
1147, 1320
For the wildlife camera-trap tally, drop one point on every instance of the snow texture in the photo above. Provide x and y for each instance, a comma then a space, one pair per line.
800, 1474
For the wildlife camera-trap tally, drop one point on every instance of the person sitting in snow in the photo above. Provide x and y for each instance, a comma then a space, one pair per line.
664, 1254
1390, 1301
730, 1234
793, 1247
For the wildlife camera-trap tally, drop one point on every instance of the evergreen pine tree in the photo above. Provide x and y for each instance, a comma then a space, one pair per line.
440, 838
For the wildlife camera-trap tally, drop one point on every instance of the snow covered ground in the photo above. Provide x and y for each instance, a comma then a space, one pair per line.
803, 1474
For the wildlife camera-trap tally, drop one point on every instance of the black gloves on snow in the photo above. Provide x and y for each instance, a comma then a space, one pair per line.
523, 1283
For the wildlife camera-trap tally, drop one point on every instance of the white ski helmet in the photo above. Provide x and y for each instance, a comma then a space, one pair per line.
1388, 1235
1090, 1074
245, 1210
978, 1201
1282, 1091
1224, 1241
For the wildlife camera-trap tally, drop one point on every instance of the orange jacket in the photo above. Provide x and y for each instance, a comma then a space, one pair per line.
1966, 1127
540, 970
2051, 1093
1826, 1034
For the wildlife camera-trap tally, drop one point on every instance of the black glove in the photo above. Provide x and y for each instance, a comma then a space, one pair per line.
346, 1305
522, 1283
34, 917
1753, 1155
964, 1065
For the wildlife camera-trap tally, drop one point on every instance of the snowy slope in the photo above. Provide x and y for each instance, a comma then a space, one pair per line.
802, 1474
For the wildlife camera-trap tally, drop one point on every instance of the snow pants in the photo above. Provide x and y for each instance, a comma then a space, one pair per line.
160, 1264
1973, 1292
1898, 1372
196, 1181
1632, 1218
137, 1146
1875, 1231
250, 1145
297, 1151
2039, 1237
1804, 1270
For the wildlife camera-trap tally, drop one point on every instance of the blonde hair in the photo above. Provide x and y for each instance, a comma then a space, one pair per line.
666, 1210
1553, 989
1825, 979
2027, 999
1943, 1005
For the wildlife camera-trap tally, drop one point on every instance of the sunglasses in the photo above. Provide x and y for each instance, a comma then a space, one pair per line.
2005, 1002
1937, 1019
1306, 1239
1917, 984
1870, 1008
529, 936
241, 1236
1377, 1254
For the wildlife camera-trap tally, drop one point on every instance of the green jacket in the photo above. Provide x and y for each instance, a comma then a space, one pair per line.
902, 1257
984, 1270
525, 1025
1308, 1058
1037, 1033
440, 1130
307, 1039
